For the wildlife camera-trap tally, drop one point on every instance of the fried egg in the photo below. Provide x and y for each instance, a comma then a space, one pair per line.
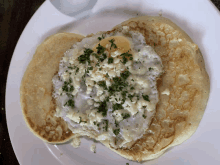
106, 87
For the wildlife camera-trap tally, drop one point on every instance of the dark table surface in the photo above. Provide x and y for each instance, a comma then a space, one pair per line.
14, 15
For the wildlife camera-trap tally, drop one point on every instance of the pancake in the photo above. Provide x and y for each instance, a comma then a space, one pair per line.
36, 100
183, 88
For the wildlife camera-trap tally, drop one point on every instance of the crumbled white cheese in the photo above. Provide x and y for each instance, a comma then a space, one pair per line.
76, 142
115, 53
125, 29
103, 136
90, 101
118, 115
58, 112
65, 59
65, 76
93, 148
130, 106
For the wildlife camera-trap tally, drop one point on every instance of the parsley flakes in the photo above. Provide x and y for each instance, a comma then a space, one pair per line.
117, 85
125, 115
116, 131
117, 107
100, 38
110, 60
67, 87
86, 56
125, 74
70, 103
150, 69
106, 125
100, 49
103, 108
77, 70
102, 57
112, 43
146, 97
102, 84
125, 56
80, 120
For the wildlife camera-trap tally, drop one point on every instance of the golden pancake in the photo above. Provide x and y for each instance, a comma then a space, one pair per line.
183, 88
36, 99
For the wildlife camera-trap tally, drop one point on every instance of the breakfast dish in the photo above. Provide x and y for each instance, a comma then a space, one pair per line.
138, 89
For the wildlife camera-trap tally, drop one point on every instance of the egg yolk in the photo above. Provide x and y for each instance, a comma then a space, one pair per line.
122, 44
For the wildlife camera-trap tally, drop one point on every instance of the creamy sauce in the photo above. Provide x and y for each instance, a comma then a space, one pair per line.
106, 87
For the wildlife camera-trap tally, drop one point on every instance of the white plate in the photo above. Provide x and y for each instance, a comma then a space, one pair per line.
199, 18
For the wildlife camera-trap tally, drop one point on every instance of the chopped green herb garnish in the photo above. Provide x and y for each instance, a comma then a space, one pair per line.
125, 115
106, 125
146, 97
86, 56
154, 44
117, 85
124, 55
70, 103
116, 131
103, 108
132, 88
150, 69
110, 60
100, 49
90, 68
131, 58
123, 94
125, 60
102, 84
77, 70
130, 96
116, 123
139, 50
125, 74
71, 88
69, 67
102, 57
107, 75
67, 87
96, 55
117, 107
144, 116
80, 120
127, 163
112, 43
100, 38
